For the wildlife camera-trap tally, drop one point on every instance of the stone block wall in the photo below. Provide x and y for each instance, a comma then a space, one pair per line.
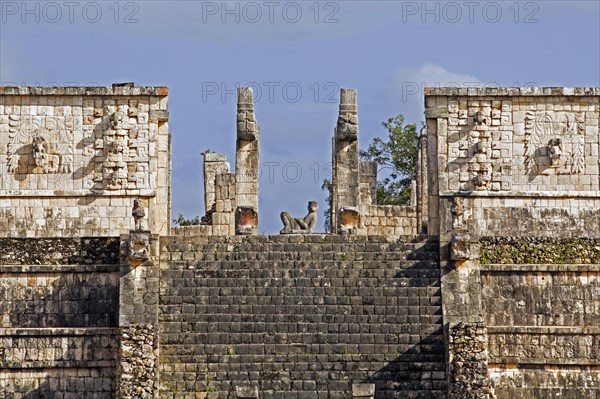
540, 303
390, 220
72, 159
300, 316
393, 221
58, 336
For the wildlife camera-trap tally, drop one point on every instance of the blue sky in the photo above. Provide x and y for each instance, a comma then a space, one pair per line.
297, 55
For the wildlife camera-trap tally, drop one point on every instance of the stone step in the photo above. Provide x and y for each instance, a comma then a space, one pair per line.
300, 264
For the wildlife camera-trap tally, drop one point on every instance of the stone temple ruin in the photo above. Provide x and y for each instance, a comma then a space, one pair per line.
486, 286
231, 199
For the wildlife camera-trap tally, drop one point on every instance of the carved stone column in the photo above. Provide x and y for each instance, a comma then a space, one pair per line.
137, 375
246, 164
346, 191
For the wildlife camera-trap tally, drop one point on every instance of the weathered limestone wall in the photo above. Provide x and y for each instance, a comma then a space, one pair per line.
300, 316
73, 159
58, 317
527, 150
540, 303
393, 221
514, 192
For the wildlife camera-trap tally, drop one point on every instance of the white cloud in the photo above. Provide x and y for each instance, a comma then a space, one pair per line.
407, 85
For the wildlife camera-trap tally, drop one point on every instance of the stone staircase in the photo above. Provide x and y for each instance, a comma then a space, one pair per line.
300, 316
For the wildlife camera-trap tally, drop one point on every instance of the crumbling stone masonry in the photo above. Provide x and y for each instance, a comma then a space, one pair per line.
231, 199
485, 286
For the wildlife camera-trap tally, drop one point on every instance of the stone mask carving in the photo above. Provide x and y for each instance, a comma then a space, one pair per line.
40, 151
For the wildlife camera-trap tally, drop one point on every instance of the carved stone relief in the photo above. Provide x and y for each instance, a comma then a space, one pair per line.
347, 123
137, 247
460, 247
121, 158
460, 213
554, 143
247, 128
483, 152
38, 144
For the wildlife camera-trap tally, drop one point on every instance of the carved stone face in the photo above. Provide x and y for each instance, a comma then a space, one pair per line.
40, 151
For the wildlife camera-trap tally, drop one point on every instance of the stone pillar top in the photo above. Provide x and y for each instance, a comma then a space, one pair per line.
348, 103
245, 98
247, 128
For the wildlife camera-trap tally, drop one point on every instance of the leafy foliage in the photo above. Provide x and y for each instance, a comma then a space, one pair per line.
182, 221
398, 154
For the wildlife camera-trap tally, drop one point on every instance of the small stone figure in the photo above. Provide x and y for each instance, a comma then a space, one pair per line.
138, 214
300, 225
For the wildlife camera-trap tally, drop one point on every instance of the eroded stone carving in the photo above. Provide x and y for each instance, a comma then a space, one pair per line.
481, 166
460, 247
138, 214
123, 151
115, 149
486, 148
39, 144
554, 143
139, 246
300, 225
482, 120
347, 123
247, 128
459, 212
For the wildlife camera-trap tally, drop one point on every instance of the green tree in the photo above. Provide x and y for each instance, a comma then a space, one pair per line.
182, 221
398, 154
327, 211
